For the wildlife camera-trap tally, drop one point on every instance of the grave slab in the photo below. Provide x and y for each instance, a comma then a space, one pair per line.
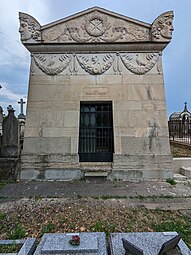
28, 246
90, 243
149, 242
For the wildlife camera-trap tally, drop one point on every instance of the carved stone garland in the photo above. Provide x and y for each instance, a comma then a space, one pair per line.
93, 65
96, 64
49, 66
142, 66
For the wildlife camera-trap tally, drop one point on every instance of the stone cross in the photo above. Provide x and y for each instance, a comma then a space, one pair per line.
21, 102
21, 115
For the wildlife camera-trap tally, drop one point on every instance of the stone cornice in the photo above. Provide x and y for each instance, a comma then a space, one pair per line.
98, 26
85, 48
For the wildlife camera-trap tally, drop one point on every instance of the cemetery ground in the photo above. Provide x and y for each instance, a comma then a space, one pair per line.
30, 209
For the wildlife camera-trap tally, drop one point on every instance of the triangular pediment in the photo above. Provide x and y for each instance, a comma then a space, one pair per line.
95, 25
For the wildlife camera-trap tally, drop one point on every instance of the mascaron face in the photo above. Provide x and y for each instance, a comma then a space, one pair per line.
25, 34
167, 29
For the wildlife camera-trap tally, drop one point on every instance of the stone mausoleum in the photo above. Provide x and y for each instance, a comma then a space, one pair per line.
96, 102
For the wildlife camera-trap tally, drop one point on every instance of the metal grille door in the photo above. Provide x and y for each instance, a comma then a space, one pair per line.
96, 132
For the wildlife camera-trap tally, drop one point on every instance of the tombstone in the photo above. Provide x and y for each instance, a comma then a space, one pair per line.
148, 243
10, 147
1, 130
27, 246
88, 243
96, 103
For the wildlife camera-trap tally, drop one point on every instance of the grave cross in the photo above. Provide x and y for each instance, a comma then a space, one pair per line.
21, 102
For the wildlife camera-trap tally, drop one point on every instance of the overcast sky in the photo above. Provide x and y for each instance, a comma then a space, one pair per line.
15, 59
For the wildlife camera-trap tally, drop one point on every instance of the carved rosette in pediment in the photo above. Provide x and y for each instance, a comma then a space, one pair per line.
96, 27
97, 64
139, 63
30, 29
162, 27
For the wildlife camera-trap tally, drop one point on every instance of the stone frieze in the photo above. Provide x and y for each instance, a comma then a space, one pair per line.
139, 63
96, 27
52, 65
96, 64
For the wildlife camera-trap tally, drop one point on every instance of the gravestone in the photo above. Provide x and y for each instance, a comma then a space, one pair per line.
147, 243
90, 243
27, 246
10, 147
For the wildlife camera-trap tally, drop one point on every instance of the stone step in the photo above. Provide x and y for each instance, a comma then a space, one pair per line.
186, 171
180, 177
96, 174
96, 166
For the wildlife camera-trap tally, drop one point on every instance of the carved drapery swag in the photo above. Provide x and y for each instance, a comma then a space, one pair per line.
96, 64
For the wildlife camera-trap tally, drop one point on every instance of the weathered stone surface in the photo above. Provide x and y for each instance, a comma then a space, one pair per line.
10, 142
28, 246
115, 61
9, 168
149, 242
59, 244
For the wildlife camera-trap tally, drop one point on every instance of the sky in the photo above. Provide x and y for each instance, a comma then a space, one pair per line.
15, 59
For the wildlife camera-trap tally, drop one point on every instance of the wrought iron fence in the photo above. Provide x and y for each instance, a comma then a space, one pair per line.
180, 131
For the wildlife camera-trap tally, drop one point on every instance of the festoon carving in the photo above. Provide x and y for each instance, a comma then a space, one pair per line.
95, 65
137, 63
162, 27
53, 65
96, 27
30, 29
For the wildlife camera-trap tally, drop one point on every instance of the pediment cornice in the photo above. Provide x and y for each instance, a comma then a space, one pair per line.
97, 26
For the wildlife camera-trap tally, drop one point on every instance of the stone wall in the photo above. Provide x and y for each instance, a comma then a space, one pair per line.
96, 63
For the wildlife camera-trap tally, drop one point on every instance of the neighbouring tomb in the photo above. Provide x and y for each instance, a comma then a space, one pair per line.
10, 142
148, 243
96, 103
26, 247
62, 243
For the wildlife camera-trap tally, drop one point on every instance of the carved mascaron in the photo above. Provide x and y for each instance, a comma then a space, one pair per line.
96, 25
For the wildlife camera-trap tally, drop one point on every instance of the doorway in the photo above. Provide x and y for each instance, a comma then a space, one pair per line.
96, 132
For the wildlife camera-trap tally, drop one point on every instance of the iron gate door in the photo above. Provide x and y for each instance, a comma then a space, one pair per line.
96, 132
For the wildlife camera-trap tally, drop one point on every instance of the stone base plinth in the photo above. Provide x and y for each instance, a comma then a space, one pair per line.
124, 167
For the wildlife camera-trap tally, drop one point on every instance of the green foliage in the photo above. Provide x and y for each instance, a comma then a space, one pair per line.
2, 216
171, 181
10, 248
2, 185
182, 227
98, 226
18, 232
48, 228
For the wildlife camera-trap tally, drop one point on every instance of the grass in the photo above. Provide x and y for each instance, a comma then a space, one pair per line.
36, 218
2, 184
18, 232
182, 227
10, 248
48, 228
171, 181
179, 150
